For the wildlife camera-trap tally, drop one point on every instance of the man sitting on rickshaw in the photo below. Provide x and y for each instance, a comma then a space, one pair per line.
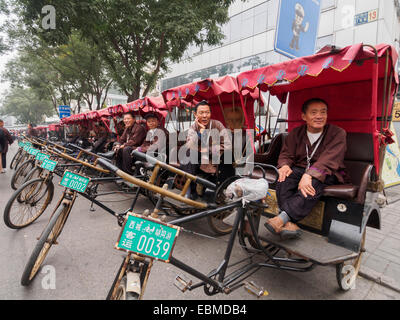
311, 158
206, 141
100, 139
133, 136
157, 137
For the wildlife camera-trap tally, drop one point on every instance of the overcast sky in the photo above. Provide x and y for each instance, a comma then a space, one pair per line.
3, 60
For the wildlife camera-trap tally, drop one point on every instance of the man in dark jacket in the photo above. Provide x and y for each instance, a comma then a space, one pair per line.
156, 138
8, 140
31, 132
311, 158
133, 136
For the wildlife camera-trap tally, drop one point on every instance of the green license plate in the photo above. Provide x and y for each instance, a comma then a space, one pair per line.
26, 147
74, 181
148, 237
41, 156
48, 164
33, 151
21, 144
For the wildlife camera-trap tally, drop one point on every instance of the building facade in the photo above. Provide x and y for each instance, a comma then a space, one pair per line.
250, 36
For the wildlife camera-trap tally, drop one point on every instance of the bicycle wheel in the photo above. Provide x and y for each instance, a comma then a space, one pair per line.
33, 174
347, 272
28, 203
46, 240
119, 289
19, 175
15, 159
21, 159
218, 222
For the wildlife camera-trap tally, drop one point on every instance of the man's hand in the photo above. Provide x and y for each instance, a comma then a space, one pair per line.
201, 126
305, 185
284, 172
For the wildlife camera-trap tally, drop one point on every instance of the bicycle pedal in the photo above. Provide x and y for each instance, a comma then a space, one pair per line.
182, 284
256, 290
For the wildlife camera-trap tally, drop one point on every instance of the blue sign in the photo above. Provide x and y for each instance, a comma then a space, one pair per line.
366, 17
297, 27
64, 111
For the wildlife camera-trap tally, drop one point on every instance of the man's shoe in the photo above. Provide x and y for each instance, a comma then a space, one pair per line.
274, 225
290, 231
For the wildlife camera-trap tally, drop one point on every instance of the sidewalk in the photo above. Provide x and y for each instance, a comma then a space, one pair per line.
381, 261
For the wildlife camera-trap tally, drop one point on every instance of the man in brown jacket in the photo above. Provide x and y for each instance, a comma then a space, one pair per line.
311, 158
207, 143
156, 138
133, 136
8, 140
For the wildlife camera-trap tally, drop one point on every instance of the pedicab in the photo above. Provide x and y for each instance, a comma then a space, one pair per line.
359, 83
222, 95
234, 111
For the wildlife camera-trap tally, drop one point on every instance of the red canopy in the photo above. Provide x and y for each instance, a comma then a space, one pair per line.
141, 107
348, 79
221, 94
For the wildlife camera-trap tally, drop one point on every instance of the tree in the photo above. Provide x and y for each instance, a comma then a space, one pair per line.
136, 38
26, 106
71, 71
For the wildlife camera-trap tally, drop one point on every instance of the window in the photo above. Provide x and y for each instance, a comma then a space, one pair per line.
247, 23
235, 31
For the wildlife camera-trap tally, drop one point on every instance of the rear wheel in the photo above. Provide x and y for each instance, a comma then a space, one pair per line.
46, 240
218, 222
28, 203
347, 272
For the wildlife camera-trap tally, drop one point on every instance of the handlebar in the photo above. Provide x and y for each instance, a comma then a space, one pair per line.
107, 165
146, 185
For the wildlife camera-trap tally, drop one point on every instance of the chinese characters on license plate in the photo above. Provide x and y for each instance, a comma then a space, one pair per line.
147, 237
48, 164
41, 156
74, 181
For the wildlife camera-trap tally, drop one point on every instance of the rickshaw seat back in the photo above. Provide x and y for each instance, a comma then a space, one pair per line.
274, 149
358, 161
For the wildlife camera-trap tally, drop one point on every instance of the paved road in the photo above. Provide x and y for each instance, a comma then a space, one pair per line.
85, 262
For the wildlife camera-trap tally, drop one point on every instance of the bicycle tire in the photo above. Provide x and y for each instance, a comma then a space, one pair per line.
22, 158
120, 286
44, 244
21, 172
33, 174
18, 198
216, 221
15, 158
121, 293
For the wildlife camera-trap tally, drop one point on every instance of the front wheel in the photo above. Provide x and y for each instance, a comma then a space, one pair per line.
347, 272
19, 175
120, 287
46, 240
15, 159
28, 203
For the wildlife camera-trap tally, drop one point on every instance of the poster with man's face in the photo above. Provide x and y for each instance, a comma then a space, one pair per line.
297, 27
